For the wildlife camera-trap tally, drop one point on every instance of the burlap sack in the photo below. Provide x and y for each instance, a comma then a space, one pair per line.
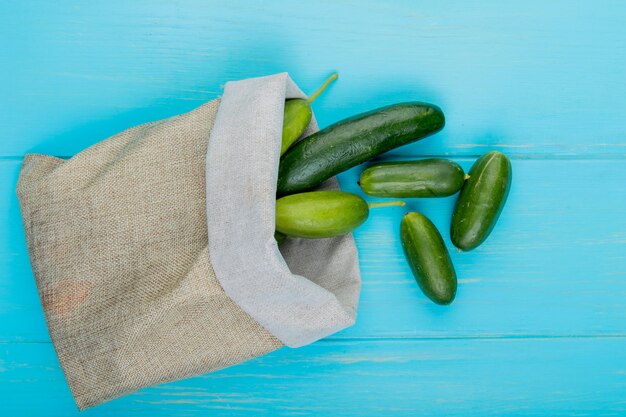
154, 254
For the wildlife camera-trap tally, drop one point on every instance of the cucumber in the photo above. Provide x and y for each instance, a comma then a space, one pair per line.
279, 237
297, 116
428, 258
481, 200
320, 214
353, 141
424, 178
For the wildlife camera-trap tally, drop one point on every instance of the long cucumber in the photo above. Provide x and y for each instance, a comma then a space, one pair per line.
353, 141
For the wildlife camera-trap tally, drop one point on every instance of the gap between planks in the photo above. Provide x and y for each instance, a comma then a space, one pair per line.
520, 156
339, 340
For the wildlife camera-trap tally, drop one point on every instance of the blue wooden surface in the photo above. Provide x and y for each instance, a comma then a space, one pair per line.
539, 326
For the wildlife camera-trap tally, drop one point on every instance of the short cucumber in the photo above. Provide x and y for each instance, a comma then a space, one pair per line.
279, 237
424, 178
428, 258
481, 200
320, 214
297, 116
353, 141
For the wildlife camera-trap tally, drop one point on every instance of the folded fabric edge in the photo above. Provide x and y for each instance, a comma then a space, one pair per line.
241, 173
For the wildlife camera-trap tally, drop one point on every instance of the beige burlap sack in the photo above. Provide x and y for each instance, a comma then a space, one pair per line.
140, 286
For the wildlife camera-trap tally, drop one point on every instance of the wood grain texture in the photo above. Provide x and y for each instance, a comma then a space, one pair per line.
530, 77
538, 327
522, 377
555, 264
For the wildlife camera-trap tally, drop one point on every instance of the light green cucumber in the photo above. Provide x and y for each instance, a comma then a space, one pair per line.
297, 116
321, 214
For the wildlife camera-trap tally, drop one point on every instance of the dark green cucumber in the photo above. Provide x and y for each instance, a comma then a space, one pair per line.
428, 258
424, 178
481, 200
353, 141
297, 116
320, 214
279, 237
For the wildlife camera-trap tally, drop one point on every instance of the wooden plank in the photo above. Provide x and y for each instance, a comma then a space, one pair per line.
554, 266
539, 324
492, 377
21, 316
526, 77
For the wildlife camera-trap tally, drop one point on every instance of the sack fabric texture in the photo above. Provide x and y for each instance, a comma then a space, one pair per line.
154, 253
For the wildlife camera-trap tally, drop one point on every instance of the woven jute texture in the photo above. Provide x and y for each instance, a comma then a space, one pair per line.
117, 238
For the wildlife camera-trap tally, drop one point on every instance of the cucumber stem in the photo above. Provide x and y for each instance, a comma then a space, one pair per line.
467, 177
320, 90
387, 204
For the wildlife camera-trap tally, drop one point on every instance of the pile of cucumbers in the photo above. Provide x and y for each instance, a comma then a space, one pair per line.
307, 163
